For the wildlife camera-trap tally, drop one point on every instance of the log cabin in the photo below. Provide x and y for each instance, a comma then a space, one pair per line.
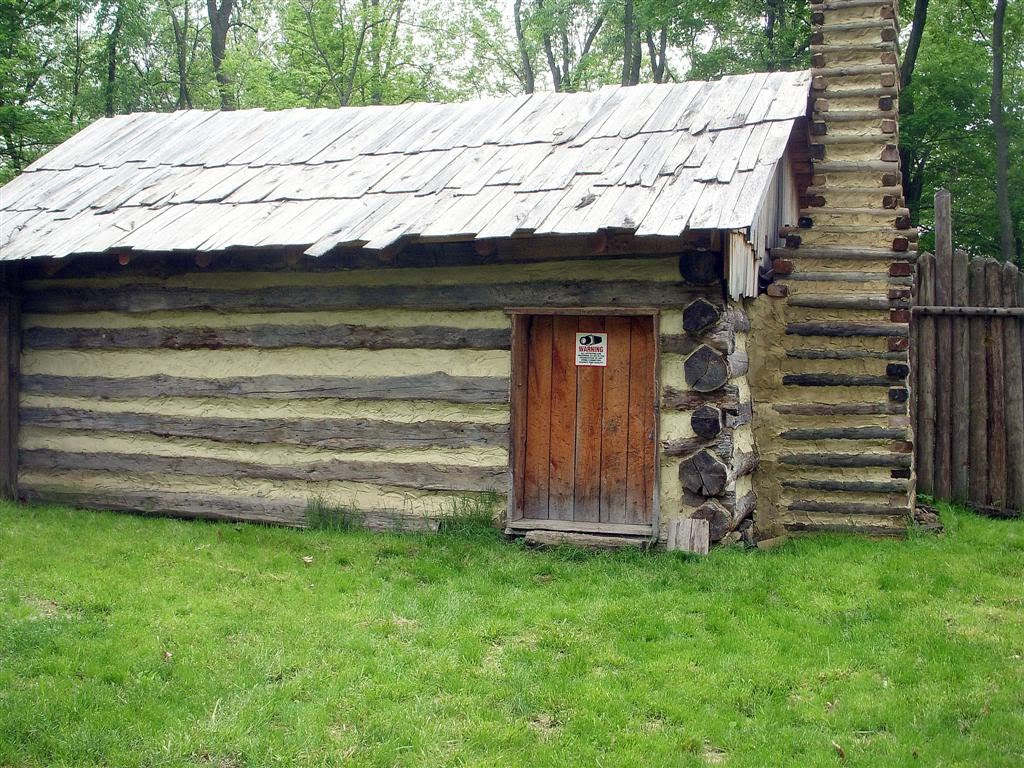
673, 314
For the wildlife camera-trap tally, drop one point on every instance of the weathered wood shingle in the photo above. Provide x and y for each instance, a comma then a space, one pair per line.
655, 159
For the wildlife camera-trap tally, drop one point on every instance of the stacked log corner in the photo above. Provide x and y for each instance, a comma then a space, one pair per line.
716, 463
838, 437
10, 351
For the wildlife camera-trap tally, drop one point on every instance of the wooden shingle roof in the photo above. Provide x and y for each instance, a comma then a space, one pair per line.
653, 159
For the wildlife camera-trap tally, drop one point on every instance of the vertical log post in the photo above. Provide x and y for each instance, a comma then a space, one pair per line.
10, 354
961, 379
943, 345
996, 375
925, 437
1013, 393
978, 481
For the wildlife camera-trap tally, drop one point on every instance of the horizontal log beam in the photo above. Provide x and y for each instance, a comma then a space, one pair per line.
336, 434
863, 529
314, 336
839, 5
856, 166
844, 508
411, 255
817, 301
852, 26
721, 445
854, 70
844, 354
856, 139
213, 507
673, 399
859, 93
422, 476
289, 298
858, 460
432, 386
270, 337
586, 541
846, 433
850, 486
835, 380
839, 253
840, 409
847, 277
847, 330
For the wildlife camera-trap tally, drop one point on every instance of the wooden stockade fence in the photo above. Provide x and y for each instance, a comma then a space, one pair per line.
968, 332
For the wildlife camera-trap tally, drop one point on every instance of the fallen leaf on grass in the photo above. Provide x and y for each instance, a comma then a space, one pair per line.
308, 559
839, 751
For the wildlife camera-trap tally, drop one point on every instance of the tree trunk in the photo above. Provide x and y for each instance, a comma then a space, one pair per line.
549, 53
637, 61
220, 19
78, 71
1007, 244
656, 52
527, 76
907, 104
377, 33
556, 73
180, 29
914, 42
771, 18
627, 43
110, 87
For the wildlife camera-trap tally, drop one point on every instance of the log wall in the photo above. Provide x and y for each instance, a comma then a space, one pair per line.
244, 392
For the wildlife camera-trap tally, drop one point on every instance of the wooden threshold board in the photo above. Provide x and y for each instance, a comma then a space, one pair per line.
531, 524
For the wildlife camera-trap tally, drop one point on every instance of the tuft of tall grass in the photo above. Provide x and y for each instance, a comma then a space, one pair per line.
324, 516
471, 515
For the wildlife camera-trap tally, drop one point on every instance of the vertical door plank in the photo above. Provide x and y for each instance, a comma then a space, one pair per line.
641, 454
615, 421
996, 392
518, 404
538, 417
562, 457
589, 408
978, 481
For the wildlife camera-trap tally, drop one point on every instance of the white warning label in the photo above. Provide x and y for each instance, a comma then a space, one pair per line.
591, 349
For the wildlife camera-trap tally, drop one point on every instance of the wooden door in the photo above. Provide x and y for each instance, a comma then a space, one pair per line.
584, 422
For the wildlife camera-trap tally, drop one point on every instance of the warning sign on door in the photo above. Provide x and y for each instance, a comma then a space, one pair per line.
591, 349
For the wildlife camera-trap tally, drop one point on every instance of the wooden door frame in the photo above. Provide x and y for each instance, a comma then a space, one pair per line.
517, 415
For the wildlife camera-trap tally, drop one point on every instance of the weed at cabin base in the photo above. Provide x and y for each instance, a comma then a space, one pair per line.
470, 515
465, 515
324, 516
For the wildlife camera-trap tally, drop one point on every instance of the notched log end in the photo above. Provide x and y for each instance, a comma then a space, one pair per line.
699, 315
705, 369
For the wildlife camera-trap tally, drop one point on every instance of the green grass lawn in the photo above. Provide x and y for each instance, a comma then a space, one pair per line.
127, 641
